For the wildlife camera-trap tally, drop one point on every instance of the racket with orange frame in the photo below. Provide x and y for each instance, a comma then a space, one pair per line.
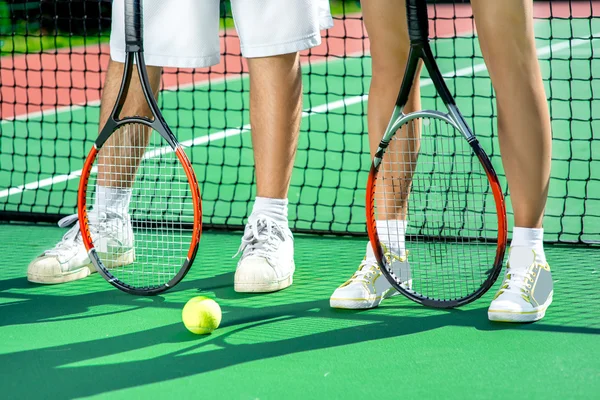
139, 202
436, 216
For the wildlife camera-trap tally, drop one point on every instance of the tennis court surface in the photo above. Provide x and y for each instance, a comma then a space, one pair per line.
86, 339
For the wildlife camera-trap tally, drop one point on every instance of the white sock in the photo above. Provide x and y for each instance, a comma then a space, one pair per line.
112, 199
392, 233
272, 208
532, 238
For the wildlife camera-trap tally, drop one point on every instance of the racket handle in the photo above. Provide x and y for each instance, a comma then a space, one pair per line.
133, 25
418, 21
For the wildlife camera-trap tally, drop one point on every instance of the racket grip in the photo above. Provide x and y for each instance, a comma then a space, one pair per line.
418, 21
133, 25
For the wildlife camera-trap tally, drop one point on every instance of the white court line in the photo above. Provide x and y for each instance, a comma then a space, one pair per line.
321, 109
75, 107
194, 85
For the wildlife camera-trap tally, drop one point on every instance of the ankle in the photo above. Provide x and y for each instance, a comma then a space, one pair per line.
277, 209
531, 238
392, 233
113, 199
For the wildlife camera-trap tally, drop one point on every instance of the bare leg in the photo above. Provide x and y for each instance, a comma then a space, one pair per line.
115, 167
388, 33
524, 129
385, 21
275, 113
525, 137
115, 177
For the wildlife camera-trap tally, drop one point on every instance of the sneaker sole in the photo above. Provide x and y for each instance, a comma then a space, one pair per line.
263, 287
83, 272
362, 304
519, 317
355, 304
80, 273
123, 259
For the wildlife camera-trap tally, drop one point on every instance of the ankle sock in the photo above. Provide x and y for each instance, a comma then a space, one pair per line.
532, 238
392, 233
276, 209
112, 199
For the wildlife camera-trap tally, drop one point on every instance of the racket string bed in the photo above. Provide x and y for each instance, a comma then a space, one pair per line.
161, 210
446, 233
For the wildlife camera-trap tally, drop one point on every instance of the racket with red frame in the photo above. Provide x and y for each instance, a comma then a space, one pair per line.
139, 203
436, 216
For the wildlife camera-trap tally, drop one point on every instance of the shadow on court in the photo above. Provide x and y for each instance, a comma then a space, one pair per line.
248, 334
256, 327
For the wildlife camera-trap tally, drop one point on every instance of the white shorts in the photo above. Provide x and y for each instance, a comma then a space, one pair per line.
185, 33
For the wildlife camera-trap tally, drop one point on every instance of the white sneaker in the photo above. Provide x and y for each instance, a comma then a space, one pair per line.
367, 288
69, 261
267, 262
526, 291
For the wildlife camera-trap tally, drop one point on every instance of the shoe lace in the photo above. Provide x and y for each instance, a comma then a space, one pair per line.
261, 238
369, 269
518, 282
72, 239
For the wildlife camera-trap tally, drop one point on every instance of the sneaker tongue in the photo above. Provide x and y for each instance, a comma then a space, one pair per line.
275, 229
521, 258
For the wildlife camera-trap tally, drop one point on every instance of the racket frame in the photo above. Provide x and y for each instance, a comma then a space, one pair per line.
418, 26
135, 57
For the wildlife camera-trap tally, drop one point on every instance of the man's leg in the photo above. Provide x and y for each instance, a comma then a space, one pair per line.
388, 34
68, 260
120, 156
187, 37
109, 173
506, 35
275, 114
271, 36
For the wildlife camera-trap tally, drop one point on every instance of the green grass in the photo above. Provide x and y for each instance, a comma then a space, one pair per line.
341, 7
31, 43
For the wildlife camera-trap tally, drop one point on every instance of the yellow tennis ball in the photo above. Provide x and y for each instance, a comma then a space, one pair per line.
201, 315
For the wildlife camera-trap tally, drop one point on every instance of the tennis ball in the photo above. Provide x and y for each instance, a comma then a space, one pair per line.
201, 315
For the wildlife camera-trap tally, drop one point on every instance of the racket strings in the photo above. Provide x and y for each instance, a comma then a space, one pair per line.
149, 239
431, 178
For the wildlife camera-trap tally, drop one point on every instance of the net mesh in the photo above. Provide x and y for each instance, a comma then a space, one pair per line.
54, 55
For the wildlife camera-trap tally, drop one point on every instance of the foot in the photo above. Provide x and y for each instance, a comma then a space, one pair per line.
367, 288
69, 261
267, 262
526, 291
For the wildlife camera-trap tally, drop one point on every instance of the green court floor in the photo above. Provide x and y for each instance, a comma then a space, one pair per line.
86, 339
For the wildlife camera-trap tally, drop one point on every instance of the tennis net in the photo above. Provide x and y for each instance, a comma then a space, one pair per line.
54, 54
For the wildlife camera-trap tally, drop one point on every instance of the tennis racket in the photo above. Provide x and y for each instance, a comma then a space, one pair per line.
436, 216
139, 203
